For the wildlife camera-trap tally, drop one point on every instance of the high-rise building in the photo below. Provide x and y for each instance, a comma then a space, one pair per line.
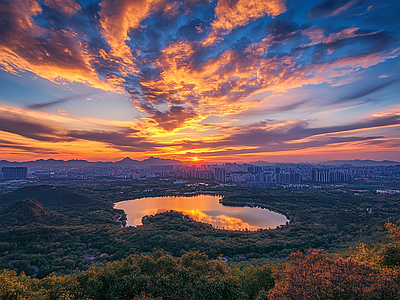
220, 174
263, 178
325, 175
314, 174
287, 178
14, 173
254, 169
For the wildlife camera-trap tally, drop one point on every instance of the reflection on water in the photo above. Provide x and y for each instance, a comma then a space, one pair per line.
202, 208
220, 221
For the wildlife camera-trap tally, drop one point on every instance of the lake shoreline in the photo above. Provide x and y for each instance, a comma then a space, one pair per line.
206, 208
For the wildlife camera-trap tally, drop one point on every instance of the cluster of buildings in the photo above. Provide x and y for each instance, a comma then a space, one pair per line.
326, 175
246, 175
217, 174
258, 176
14, 173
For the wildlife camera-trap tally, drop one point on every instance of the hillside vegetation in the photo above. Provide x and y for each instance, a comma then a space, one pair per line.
30, 212
309, 275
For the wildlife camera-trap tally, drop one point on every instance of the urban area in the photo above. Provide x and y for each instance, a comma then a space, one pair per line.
267, 175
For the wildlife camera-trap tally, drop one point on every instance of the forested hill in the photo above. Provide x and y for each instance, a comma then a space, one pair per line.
30, 212
55, 197
74, 204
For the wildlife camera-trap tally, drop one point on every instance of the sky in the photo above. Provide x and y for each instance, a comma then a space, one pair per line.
200, 80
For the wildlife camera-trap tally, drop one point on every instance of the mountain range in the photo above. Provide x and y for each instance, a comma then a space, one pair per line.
84, 163
361, 163
354, 162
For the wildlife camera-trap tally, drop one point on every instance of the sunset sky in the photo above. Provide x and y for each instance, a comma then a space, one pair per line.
215, 81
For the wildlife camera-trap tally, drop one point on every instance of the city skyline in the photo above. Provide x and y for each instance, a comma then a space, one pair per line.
200, 81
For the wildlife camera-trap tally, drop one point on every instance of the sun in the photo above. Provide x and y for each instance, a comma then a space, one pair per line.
195, 158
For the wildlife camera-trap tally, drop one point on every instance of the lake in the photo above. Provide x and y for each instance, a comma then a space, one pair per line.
202, 208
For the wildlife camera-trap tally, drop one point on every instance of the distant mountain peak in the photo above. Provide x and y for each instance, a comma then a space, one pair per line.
260, 163
127, 159
160, 161
154, 158
84, 163
361, 162
148, 161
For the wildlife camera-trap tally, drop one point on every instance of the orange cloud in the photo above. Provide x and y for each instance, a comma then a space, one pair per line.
12, 62
63, 112
28, 133
221, 85
117, 18
23, 11
203, 87
230, 14
58, 56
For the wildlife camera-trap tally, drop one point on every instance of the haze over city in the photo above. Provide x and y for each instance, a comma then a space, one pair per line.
200, 81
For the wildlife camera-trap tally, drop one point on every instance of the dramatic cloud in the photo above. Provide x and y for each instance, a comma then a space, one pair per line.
118, 17
42, 40
292, 135
183, 63
174, 117
126, 138
231, 14
20, 131
27, 127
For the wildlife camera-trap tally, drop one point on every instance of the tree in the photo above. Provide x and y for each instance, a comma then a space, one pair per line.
313, 275
393, 230
256, 281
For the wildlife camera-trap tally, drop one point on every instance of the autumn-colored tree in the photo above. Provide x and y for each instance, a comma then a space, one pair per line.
18, 287
367, 253
309, 275
314, 275
393, 230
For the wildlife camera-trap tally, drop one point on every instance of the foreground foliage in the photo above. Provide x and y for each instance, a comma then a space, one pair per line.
314, 275
369, 273
309, 275
156, 275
